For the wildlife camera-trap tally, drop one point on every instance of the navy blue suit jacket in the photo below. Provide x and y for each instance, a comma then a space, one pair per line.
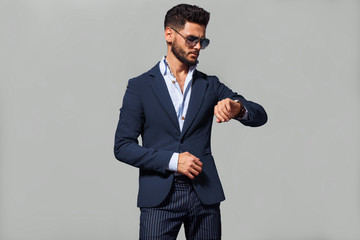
148, 111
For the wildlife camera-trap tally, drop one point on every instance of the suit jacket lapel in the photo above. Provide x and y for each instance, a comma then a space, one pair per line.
196, 99
159, 87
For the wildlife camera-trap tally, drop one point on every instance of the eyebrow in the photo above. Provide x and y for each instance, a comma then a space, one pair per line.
193, 36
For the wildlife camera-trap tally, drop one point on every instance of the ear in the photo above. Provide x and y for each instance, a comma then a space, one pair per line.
169, 36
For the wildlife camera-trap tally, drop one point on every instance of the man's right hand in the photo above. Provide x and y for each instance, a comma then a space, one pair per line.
189, 165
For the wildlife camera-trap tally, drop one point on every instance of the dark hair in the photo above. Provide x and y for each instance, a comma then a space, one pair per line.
177, 16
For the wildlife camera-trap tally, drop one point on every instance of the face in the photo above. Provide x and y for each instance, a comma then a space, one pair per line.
185, 54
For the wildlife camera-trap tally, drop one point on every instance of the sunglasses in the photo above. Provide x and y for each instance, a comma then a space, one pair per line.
191, 41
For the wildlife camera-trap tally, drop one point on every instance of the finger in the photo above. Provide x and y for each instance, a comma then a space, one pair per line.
193, 172
225, 108
224, 114
189, 175
227, 105
220, 112
217, 114
196, 168
199, 163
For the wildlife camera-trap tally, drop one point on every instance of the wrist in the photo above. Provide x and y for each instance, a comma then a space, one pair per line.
242, 109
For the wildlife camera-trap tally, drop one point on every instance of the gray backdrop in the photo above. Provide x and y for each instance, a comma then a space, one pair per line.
64, 69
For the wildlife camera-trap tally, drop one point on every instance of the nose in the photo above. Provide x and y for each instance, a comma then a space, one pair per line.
198, 45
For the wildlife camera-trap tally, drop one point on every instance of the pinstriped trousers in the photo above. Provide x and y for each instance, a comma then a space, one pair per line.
181, 206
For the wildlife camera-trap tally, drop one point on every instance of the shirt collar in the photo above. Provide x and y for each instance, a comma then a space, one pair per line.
165, 70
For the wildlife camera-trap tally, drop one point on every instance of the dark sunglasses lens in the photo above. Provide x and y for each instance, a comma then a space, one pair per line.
192, 41
204, 42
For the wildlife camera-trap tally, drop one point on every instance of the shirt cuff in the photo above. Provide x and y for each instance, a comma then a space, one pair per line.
173, 163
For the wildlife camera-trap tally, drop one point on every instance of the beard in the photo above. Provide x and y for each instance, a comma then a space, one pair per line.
181, 55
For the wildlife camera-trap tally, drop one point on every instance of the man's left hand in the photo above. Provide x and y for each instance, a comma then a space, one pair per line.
226, 109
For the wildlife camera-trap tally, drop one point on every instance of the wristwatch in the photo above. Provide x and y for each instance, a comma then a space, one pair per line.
242, 110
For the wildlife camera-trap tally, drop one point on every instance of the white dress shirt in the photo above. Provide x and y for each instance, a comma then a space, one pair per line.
179, 99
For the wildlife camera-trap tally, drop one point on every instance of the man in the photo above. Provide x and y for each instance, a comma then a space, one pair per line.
172, 107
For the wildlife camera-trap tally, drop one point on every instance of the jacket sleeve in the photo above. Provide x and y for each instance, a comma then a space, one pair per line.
257, 114
130, 125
